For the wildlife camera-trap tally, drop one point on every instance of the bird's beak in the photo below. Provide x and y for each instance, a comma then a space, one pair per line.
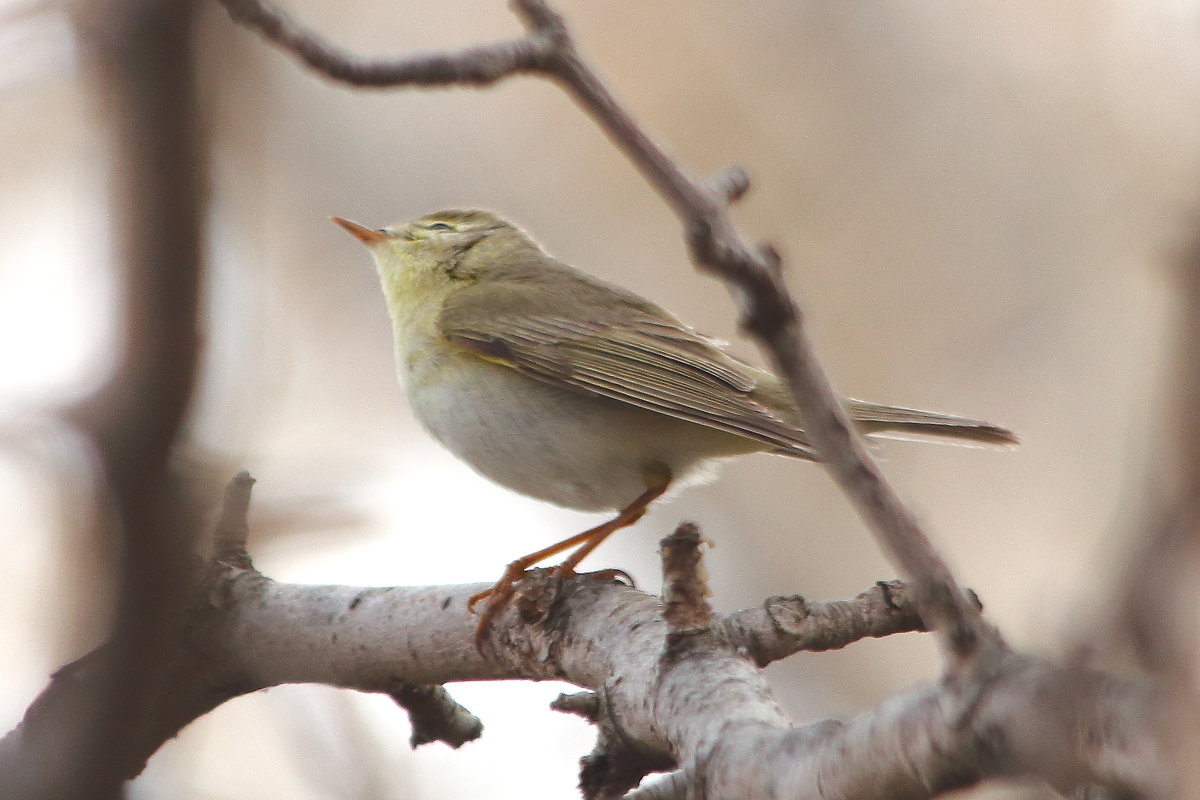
367, 236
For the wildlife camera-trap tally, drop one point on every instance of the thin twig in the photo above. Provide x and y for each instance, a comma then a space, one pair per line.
474, 66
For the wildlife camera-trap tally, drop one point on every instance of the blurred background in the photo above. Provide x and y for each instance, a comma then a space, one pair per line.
981, 207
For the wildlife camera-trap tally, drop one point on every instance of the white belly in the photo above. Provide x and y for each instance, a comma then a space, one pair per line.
587, 453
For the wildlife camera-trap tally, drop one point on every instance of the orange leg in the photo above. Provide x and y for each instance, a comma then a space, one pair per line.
658, 478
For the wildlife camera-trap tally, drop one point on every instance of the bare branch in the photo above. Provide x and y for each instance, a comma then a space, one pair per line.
611, 639
242, 632
769, 314
782, 626
1071, 726
1156, 616
475, 66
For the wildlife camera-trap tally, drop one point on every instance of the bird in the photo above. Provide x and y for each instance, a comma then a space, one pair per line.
572, 390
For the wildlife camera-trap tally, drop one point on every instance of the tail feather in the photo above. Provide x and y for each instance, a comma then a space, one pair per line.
873, 418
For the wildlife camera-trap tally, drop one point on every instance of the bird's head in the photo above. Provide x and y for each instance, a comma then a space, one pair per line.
445, 245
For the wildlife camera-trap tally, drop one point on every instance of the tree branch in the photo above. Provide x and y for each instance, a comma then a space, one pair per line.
474, 66
242, 632
1156, 608
782, 626
1072, 727
140, 52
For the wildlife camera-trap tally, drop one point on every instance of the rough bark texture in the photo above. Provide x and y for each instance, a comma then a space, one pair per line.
688, 695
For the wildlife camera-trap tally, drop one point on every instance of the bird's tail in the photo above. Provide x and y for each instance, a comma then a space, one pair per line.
881, 420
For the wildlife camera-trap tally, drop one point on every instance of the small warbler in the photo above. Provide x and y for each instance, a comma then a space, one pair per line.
562, 387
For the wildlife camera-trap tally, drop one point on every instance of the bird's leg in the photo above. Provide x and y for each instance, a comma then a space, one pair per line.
657, 482
513, 572
658, 478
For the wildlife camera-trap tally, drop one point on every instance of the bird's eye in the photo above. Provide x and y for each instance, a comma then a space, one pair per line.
441, 226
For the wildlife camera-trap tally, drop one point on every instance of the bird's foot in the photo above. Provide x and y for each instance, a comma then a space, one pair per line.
618, 575
502, 593
497, 598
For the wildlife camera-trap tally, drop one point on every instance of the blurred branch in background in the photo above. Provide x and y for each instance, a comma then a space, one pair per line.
77, 743
1157, 604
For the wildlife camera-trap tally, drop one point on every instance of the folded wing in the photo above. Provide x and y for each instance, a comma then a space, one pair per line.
634, 353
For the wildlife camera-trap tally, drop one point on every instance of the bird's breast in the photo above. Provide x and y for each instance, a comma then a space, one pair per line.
568, 448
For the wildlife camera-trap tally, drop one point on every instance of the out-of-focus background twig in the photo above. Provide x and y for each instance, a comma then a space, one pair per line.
139, 68
981, 205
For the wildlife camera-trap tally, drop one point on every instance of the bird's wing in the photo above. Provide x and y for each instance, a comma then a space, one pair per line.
640, 356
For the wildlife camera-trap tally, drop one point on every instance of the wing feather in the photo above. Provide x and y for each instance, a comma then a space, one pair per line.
642, 357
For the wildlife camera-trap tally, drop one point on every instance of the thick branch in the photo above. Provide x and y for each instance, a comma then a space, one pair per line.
243, 631
1071, 726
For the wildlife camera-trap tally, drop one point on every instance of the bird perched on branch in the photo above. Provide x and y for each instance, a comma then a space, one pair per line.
562, 387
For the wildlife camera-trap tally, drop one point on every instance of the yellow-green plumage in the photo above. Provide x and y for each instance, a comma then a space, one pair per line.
563, 387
